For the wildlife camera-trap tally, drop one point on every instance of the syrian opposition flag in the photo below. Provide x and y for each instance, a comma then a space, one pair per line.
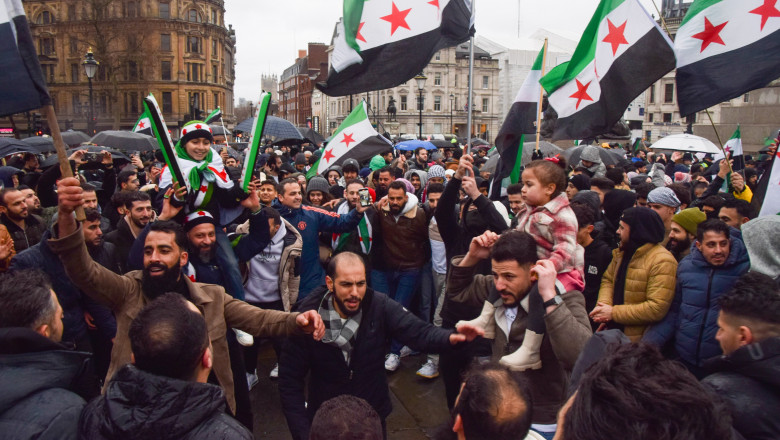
22, 86
725, 48
769, 189
144, 124
380, 44
621, 53
213, 116
734, 149
354, 139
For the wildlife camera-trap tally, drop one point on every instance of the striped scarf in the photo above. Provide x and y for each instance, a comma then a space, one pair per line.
338, 334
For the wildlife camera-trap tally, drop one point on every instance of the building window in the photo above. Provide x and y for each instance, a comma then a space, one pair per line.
214, 16
668, 93
74, 46
485, 83
71, 12
45, 17
74, 72
46, 46
165, 42
437, 127
131, 9
650, 117
193, 16
216, 100
132, 71
165, 10
214, 48
652, 94
214, 73
165, 70
746, 97
667, 117
485, 104
437, 57
75, 104
167, 102
194, 45
48, 72
194, 72
437, 103
437, 79
403, 102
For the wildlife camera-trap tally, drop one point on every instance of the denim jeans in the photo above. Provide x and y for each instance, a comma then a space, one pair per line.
399, 285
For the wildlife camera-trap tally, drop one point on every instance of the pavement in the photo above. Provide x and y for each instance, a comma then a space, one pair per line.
419, 405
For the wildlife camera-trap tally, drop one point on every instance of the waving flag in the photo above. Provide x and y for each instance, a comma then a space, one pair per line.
725, 48
380, 44
22, 86
214, 116
144, 124
355, 138
621, 53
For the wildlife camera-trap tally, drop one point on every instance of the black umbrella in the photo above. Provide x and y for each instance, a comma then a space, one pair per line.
43, 144
71, 137
9, 146
478, 141
440, 143
125, 140
218, 130
311, 136
572, 155
115, 154
277, 129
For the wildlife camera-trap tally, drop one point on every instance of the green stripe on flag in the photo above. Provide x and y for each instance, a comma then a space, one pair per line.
539, 60
358, 115
696, 7
737, 134
514, 176
353, 12
313, 170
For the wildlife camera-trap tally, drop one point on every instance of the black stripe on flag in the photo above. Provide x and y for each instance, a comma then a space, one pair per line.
642, 64
22, 86
519, 121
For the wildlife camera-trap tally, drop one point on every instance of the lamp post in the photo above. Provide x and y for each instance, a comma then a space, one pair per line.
90, 68
452, 98
420, 85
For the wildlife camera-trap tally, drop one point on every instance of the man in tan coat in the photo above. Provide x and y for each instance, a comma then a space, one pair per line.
164, 256
638, 287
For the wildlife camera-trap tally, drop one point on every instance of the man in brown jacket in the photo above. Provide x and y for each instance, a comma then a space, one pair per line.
515, 269
164, 256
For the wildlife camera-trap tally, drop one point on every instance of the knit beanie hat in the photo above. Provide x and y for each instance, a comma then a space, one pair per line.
663, 196
350, 165
300, 159
317, 183
435, 171
198, 218
376, 163
195, 130
580, 181
409, 187
364, 172
689, 219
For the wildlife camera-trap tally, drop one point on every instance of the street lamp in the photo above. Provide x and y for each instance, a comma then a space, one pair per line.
452, 98
90, 68
420, 85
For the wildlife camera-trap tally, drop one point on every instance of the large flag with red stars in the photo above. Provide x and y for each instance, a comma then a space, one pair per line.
621, 53
354, 139
724, 49
380, 44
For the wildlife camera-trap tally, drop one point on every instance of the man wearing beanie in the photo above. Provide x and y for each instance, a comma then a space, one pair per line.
683, 231
665, 203
638, 286
577, 183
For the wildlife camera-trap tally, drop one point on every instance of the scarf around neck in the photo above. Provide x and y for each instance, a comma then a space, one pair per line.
338, 334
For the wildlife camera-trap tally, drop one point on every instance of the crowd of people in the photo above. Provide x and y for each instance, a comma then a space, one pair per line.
587, 301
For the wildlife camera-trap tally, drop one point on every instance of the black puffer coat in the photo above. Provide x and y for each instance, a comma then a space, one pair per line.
749, 380
140, 405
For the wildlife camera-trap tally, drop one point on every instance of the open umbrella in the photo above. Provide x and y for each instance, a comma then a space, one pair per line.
115, 154
125, 140
685, 142
413, 145
572, 155
218, 130
439, 143
43, 144
477, 141
547, 149
277, 129
71, 137
9, 146
311, 136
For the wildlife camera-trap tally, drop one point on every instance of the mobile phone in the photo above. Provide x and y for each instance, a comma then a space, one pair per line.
92, 157
133, 153
365, 197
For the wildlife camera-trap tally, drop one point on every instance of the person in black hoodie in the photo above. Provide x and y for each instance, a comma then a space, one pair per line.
615, 202
44, 385
598, 255
747, 376
164, 393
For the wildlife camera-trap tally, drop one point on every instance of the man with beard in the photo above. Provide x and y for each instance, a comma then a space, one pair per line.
420, 161
683, 232
712, 269
517, 272
138, 213
361, 240
164, 255
385, 176
25, 228
31, 199
349, 358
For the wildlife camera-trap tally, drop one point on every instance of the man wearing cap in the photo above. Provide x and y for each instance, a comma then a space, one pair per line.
349, 169
665, 203
683, 231
712, 268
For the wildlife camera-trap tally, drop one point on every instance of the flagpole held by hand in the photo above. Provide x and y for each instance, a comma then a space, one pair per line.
720, 143
541, 98
62, 156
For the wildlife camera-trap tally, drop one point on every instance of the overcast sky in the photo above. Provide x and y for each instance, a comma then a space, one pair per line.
270, 32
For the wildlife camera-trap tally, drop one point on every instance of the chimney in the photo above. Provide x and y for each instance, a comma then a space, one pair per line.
301, 53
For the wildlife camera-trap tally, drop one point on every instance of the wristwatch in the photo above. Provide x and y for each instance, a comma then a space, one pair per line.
555, 301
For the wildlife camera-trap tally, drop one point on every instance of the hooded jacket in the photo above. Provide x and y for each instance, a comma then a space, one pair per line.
692, 320
749, 380
591, 154
404, 239
758, 235
44, 386
140, 405
615, 202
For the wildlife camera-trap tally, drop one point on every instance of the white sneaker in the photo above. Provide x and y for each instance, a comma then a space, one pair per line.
429, 370
392, 361
406, 351
244, 338
275, 372
251, 380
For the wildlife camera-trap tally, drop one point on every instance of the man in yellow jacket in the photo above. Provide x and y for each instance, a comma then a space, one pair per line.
638, 287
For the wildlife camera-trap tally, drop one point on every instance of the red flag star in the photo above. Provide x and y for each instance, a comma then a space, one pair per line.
397, 19
201, 213
328, 155
581, 93
204, 188
766, 11
710, 34
616, 36
434, 3
141, 124
347, 139
184, 131
358, 36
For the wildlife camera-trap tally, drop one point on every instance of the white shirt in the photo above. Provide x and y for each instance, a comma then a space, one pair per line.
263, 281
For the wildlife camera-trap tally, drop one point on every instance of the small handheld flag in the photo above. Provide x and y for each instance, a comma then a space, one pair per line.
213, 116
254, 142
160, 131
144, 124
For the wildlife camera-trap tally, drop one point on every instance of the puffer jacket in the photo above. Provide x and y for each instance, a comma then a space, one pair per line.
141, 405
649, 289
405, 242
692, 320
749, 381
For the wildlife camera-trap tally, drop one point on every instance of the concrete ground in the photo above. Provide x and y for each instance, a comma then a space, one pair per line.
419, 405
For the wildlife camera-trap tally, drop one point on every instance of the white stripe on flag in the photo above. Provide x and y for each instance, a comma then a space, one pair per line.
562, 100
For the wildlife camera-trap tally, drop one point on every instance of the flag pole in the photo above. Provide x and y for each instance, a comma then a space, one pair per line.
59, 145
720, 143
222, 121
471, 91
541, 98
